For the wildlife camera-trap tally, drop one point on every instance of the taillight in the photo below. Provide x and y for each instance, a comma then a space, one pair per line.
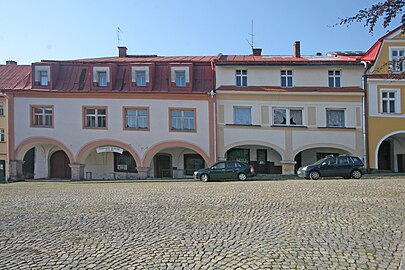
252, 170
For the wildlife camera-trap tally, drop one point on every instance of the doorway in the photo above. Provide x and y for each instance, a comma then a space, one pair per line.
192, 162
28, 165
384, 156
262, 166
60, 165
163, 165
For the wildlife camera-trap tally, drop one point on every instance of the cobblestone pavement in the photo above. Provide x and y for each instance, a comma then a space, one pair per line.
329, 224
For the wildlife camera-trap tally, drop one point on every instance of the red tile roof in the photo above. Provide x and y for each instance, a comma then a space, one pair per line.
372, 53
15, 77
292, 89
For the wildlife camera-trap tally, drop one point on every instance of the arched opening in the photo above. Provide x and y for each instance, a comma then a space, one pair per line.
264, 159
28, 165
311, 155
391, 153
59, 165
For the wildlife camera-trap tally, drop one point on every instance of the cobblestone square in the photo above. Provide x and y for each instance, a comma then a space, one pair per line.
294, 224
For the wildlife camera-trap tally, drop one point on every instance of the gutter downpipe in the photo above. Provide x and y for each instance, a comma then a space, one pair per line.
366, 150
214, 104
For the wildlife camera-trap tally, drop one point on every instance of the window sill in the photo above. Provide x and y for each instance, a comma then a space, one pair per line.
34, 126
342, 128
390, 113
183, 130
242, 125
289, 126
137, 129
96, 128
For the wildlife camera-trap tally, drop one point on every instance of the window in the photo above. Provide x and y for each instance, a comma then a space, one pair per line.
334, 78
219, 166
2, 139
140, 77
239, 154
124, 162
1, 108
242, 115
180, 78
286, 78
390, 101
136, 118
102, 78
43, 77
335, 118
241, 77
344, 160
95, 117
287, 117
42, 116
182, 119
397, 59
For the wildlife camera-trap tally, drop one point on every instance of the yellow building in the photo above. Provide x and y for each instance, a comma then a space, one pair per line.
385, 103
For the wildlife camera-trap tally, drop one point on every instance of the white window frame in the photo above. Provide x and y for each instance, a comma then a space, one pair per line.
180, 68
96, 116
397, 100
393, 65
334, 77
183, 119
286, 76
235, 108
138, 118
96, 71
241, 74
137, 69
1, 108
43, 115
38, 71
2, 135
344, 117
180, 78
288, 116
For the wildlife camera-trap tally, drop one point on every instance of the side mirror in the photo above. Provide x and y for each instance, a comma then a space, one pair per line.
323, 163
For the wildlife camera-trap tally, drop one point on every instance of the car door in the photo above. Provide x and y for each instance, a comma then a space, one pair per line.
344, 166
232, 169
328, 167
218, 171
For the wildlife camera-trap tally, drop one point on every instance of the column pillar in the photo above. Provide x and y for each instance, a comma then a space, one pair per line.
16, 170
288, 167
143, 172
77, 171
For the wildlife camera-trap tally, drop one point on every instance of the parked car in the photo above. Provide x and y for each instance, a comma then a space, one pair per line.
225, 170
334, 166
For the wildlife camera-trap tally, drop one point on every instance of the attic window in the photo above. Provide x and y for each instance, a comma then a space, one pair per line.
42, 75
101, 76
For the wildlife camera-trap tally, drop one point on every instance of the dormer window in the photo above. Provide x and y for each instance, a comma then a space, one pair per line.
101, 76
180, 78
42, 75
140, 76
397, 56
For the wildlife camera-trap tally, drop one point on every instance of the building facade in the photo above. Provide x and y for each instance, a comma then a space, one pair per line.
281, 112
385, 91
129, 117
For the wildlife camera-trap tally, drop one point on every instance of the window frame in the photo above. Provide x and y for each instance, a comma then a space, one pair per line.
243, 74
2, 108
397, 101
39, 70
391, 59
234, 115
84, 117
334, 78
176, 76
124, 114
171, 129
2, 135
288, 116
286, 76
99, 78
33, 114
344, 117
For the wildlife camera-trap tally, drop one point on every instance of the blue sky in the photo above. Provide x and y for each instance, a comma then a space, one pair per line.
57, 29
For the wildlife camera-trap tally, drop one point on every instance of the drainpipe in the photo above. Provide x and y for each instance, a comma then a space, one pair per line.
366, 149
212, 94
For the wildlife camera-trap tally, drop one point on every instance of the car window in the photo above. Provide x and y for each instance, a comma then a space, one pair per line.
331, 161
219, 166
343, 160
231, 165
356, 160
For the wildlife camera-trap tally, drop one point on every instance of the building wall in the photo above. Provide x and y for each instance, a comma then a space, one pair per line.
68, 126
3, 125
302, 76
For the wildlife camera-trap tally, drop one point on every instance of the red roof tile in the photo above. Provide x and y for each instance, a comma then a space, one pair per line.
15, 77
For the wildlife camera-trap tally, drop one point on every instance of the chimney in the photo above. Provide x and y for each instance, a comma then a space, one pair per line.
257, 51
318, 54
297, 49
122, 51
11, 62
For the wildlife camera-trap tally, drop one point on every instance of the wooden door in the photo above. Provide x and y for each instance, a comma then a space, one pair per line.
60, 165
163, 166
384, 156
192, 162
262, 166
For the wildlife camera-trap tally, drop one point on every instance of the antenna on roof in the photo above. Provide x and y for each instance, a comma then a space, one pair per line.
118, 35
251, 43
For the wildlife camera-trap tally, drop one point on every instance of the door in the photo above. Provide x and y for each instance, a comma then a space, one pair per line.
163, 166
60, 165
401, 162
28, 165
344, 166
328, 167
218, 171
2, 170
192, 162
384, 156
262, 166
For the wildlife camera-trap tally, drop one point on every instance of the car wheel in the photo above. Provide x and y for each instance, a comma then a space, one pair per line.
356, 174
204, 177
242, 176
314, 175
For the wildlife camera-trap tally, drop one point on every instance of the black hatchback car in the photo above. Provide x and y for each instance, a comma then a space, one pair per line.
340, 166
225, 170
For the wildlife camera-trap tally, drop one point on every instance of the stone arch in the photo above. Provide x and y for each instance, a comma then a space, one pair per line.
381, 141
278, 149
85, 149
324, 145
157, 147
28, 143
